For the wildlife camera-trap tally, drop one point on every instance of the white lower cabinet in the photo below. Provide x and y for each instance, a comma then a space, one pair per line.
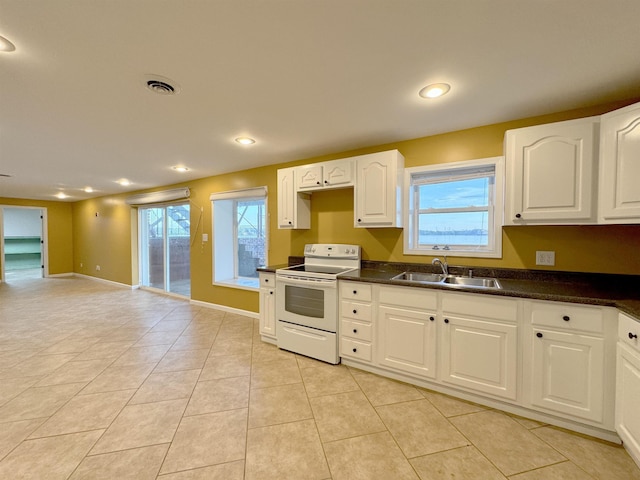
570, 349
627, 419
267, 301
479, 348
356, 330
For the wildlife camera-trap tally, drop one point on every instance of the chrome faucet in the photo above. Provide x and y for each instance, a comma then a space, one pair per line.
443, 265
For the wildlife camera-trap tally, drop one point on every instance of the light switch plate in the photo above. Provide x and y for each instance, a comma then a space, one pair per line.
545, 258
205, 237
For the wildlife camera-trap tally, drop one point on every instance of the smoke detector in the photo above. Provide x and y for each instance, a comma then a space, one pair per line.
161, 85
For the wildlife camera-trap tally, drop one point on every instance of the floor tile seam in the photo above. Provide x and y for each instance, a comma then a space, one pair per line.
62, 434
120, 450
257, 427
215, 412
568, 461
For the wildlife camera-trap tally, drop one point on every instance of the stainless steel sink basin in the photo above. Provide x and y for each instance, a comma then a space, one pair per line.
448, 280
472, 282
419, 277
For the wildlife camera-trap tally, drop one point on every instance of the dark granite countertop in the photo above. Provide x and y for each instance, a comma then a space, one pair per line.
620, 291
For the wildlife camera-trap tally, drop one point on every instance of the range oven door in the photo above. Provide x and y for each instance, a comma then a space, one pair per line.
310, 302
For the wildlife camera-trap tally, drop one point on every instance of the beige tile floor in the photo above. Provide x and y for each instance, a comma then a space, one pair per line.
101, 382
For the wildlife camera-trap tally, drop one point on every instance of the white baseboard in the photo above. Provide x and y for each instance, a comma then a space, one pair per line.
224, 308
59, 275
102, 280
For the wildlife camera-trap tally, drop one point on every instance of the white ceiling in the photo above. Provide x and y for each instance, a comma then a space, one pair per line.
302, 77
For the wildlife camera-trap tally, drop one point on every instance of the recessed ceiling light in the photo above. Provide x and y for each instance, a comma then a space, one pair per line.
61, 195
180, 168
6, 45
124, 182
434, 90
245, 140
88, 189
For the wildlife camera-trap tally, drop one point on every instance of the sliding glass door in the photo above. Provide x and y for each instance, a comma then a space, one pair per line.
164, 248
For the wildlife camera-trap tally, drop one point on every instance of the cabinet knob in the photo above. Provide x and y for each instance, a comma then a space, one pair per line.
566, 318
632, 336
355, 330
355, 292
518, 215
539, 335
317, 183
355, 311
326, 181
431, 318
270, 293
355, 350
290, 223
359, 220
266, 280
446, 320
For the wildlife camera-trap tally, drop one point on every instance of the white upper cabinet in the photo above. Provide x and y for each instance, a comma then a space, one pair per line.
552, 173
378, 190
620, 166
293, 208
334, 174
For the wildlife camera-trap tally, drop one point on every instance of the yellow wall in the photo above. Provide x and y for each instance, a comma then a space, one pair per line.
106, 240
59, 227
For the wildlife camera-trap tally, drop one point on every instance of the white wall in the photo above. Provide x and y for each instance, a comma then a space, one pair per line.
22, 222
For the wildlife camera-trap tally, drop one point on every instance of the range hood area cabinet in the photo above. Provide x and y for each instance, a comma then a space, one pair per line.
552, 173
578, 172
377, 180
620, 166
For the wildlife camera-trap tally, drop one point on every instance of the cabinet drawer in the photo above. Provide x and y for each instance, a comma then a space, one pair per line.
421, 298
356, 310
484, 306
629, 331
567, 316
355, 329
267, 280
355, 291
355, 349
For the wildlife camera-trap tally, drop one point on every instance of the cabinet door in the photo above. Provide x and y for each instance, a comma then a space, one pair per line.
627, 395
620, 166
377, 190
268, 312
567, 373
480, 355
407, 340
293, 208
338, 173
551, 173
309, 177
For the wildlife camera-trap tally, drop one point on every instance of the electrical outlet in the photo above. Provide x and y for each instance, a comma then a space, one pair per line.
545, 258
97, 268
81, 265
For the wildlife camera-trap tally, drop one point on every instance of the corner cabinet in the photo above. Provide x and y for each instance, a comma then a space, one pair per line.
552, 173
294, 209
620, 166
378, 190
267, 306
628, 385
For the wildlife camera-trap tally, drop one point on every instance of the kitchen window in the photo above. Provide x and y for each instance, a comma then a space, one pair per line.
455, 209
239, 236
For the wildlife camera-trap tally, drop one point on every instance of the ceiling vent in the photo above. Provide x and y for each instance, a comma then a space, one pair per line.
161, 85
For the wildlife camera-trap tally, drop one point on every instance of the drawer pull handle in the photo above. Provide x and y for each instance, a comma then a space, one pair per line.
355, 330
431, 318
355, 350
355, 292
566, 318
355, 311
270, 293
518, 215
539, 335
266, 280
632, 336
446, 320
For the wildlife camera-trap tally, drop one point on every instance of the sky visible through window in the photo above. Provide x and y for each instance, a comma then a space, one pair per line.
453, 228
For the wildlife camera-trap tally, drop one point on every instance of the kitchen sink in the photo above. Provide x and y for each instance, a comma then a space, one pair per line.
472, 282
420, 277
448, 280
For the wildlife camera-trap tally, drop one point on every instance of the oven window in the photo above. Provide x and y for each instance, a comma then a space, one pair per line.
307, 302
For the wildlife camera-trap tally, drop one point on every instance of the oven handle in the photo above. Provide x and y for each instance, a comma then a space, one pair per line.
308, 282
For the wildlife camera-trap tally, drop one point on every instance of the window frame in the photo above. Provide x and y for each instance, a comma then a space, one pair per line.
230, 238
455, 171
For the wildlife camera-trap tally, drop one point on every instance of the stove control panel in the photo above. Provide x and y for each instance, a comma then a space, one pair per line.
334, 250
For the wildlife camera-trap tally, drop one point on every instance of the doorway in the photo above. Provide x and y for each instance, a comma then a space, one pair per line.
165, 236
23, 249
